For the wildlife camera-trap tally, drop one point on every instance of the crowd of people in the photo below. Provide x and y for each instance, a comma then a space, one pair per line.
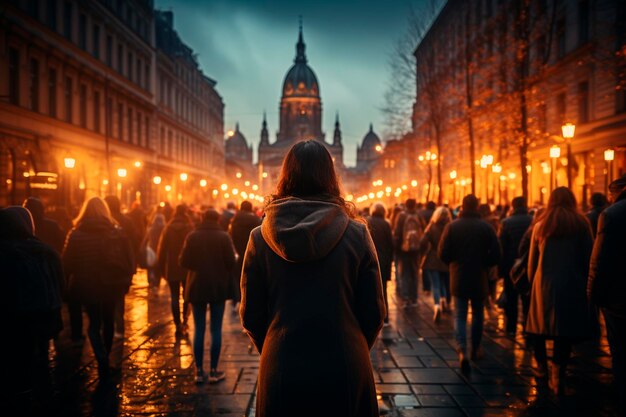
307, 245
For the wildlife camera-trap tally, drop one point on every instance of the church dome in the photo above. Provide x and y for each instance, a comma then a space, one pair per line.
237, 140
370, 140
300, 80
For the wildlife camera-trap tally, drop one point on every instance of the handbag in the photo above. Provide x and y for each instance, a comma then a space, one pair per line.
151, 257
519, 275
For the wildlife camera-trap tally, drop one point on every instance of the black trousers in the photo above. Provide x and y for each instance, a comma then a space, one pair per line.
101, 323
75, 310
616, 334
561, 352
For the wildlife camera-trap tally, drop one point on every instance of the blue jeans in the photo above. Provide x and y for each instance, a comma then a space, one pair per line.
460, 321
438, 287
199, 320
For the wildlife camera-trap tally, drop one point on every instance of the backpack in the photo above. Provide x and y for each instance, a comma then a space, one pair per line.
116, 259
411, 233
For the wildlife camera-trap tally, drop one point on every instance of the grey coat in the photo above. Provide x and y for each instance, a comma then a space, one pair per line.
312, 303
558, 270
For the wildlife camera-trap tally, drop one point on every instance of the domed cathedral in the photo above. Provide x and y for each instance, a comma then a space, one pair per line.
300, 116
238, 153
368, 153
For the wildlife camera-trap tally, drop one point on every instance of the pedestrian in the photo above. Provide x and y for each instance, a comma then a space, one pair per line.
598, 204
490, 308
607, 286
128, 227
168, 252
209, 256
46, 229
380, 231
227, 215
138, 216
99, 265
433, 267
240, 227
32, 284
149, 248
512, 230
558, 266
469, 246
312, 299
407, 234
426, 214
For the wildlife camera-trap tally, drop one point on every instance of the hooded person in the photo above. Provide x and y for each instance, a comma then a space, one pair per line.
311, 288
33, 281
46, 230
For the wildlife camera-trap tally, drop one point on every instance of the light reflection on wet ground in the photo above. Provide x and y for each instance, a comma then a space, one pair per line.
416, 370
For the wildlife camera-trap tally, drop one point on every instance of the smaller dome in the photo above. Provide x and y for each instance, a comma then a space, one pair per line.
370, 140
237, 140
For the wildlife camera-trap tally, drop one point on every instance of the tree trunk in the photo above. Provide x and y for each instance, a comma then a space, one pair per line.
439, 181
469, 100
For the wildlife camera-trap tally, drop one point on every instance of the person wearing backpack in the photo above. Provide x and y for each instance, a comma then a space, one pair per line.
99, 265
407, 234
470, 247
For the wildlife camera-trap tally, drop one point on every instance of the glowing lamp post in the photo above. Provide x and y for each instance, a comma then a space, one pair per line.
485, 162
69, 163
156, 180
568, 130
453, 175
555, 153
609, 156
497, 170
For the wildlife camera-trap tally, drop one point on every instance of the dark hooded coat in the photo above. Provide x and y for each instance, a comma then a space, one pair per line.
170, 246
312, 303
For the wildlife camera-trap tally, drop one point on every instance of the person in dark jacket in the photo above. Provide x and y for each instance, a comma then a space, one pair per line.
150, 246
598, 204
434, 268
168, 252
426, 213
32, 283
470, 247
209, 255
227, 215
241, 225
512, 230
128, 227
46, 230
312, 299
380, 230
407, 258
558, 266
606, 286
99, 265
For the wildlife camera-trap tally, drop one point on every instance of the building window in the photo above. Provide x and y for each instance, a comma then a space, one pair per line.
67, 20
561, 108
560, 38
146, 80
109, 56
139, 71
583, 22
96, 111
34, 85
120, 121
129, 66
51, 14
14, 76
52, 92
620, 101
131, 138
83, 106
108, 117
82, 31
583, 102
33, 8
170, 144
139, 130
120, 58
96, 41
68, 100
543, 118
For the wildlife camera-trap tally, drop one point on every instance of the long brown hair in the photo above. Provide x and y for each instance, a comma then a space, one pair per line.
308, 171
95, 207
562, 217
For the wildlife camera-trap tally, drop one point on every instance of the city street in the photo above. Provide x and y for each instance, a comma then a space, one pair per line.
416, 370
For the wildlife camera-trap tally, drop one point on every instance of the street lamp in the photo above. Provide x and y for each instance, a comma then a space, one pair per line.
183, 176
156, 180
69, 162
453, 175
137, 164
609, 156
485, 161
555, 153
203, 183
238, 175
497, 169
121, 172
568, 130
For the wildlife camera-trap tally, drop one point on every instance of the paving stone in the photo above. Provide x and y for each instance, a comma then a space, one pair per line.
433, 376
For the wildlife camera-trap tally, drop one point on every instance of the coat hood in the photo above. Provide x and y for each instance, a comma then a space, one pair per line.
300, 230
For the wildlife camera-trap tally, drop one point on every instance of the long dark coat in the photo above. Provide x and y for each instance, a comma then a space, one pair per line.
312, 303
558, 269
380, 230
209, 256
429, 243
470, 247
512, 230
88, 280
170, 246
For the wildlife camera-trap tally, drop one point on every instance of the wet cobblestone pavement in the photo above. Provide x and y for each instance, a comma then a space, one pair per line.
416, 370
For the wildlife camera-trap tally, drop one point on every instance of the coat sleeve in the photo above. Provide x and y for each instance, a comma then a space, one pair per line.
397, 231
445, 250
533, 255
254, 299
229, 252
185, 259
599, 265
68, 258
368, 293
162, 249
495, 253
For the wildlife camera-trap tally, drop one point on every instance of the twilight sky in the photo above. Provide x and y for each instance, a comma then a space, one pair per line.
247, 46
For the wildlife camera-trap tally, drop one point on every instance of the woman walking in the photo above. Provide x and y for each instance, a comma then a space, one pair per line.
209, 255
380, 230
558, 266
433, 267
99, 265
312, 299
